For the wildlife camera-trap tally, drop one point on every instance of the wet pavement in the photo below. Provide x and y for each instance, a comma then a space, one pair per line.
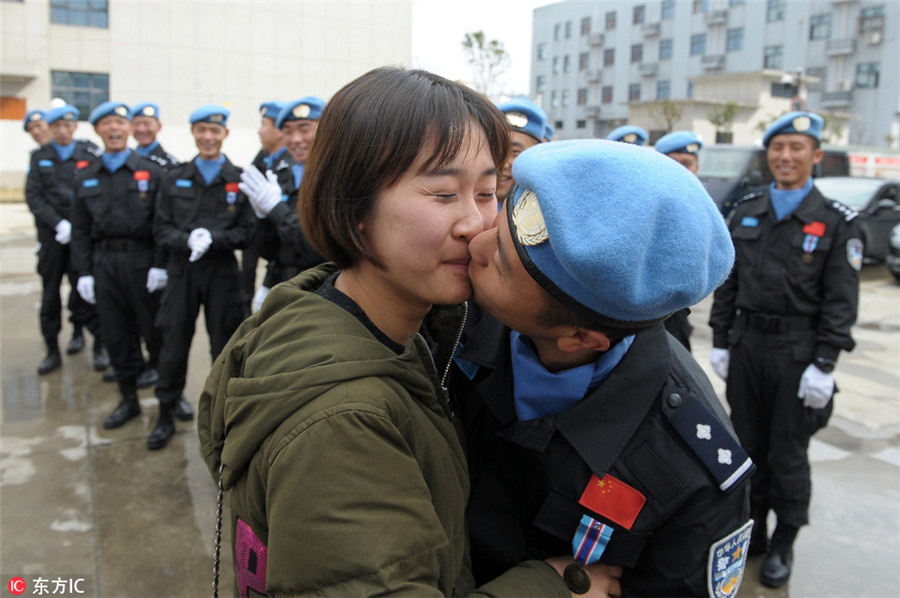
78, 502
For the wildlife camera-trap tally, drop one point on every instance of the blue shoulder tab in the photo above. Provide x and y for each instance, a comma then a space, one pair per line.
88, 183
184, 183
713, 444
750, 221
45, 163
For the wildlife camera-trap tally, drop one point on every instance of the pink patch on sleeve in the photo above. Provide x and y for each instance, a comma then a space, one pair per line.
250, 560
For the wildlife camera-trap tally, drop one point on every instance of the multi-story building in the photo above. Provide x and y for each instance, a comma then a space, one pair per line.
670, 64
182, 55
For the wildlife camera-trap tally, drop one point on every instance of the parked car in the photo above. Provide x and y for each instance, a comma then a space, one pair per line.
892, 261
876, 200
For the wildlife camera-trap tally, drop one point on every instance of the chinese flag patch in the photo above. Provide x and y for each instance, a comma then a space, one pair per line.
815, 228
81, 164
232, 187
613, 499
142, 175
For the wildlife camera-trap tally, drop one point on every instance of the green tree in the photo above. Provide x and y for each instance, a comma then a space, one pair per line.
723, 119
489, 60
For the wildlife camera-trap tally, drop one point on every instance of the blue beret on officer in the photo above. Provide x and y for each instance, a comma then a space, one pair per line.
271, 109
308, 108
549, 132
679, 142
145, 109
807, 123
211, 113
622, 236
107, 109
629, 134
32, 116
66, 112
526, 117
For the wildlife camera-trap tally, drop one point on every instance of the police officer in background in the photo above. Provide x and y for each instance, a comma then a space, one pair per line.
590, 429
779, 323
629, 134
120, 270
273, 195
145, 128
683, 147
201, 219
528, 125
48, 190
36, 126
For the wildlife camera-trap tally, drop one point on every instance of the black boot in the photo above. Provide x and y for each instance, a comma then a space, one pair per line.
127, 409
52, 361
183, 409
77, 343
149, 377
101, 357
776, 568
164, 429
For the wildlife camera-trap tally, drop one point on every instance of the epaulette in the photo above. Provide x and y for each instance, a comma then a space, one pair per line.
846, 212
749, 197
157, 159
90, 147
173, 161
282, 164
715, 447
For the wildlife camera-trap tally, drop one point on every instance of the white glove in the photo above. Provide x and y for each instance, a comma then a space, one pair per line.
157, 278
259, 297
85, 287
719, 358
63, 232
816, 387
264, 192
199, 242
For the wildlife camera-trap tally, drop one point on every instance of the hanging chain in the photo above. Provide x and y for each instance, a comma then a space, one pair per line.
217, 557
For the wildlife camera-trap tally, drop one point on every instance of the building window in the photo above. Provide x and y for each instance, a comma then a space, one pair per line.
734, 39
871, 19
665, 49
607, 94
774, 57
582, 96
586, 26
566, 63
663, 90
637, 53
555, 65
637, 15
698, 44
867, 75
775, 10
634, 92
701, 6
668, 9
580, 124
554, 99
609, 57
568, 29
564, 98
558, 125
816, 72
690, 89
89, 13
556, 30
611, 20
583, 59
540, 84
820, 27
82, 90
541, 51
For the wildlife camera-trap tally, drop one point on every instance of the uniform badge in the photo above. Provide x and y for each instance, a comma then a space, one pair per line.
36, 116
148, 111
590, 540
613, 499
121, 111
750, 222
810, 242
184, 183
82, 164
231, 191
301, 111
630, 138
727, 559
87, 184
855, 254
801, 124
45, 163
530, 227
815, 228
216, 118
143, 180
262, 111
691, 148
516, 119
807, 258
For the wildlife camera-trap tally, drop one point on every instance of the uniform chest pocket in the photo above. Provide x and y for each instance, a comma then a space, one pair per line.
184, 204
92, 197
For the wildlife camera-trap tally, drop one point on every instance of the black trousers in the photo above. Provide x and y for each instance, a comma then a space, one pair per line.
53, 264
772, 423
212, 282
127, 310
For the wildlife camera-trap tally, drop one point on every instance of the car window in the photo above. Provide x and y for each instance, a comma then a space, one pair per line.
856, 193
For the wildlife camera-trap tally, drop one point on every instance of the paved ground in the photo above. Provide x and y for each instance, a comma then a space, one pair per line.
81, 502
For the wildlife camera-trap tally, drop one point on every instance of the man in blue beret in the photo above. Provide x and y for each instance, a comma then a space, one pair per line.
119, 268
145, 129
779, 323
629, 134
201, 219
36, 126
48, 191
528, 125
683, 147
590, 429
273, 192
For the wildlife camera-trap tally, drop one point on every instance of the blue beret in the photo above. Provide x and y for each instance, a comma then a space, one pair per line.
682, 142
67, 112
308, 108
271, 109
629, 134
549, 131
32, 116
807, 123
145, 109
524, 116
622, 236
211, 113
108, 108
